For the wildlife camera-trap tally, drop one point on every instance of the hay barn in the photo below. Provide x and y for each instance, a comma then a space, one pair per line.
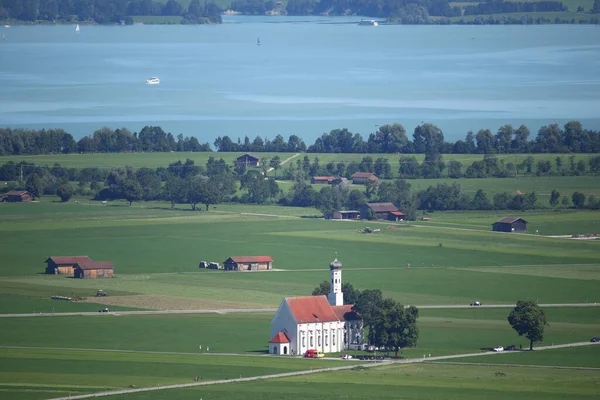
94, 269
64, 265
18, 196
248, 263
248, 160
510, 224
361, 178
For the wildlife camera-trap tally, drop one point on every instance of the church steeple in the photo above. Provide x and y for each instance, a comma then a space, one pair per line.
336, 296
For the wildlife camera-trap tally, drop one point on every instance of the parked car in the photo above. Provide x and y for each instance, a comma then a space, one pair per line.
313, 354
595, 339
346, 357
475, 303
105, 309
498, 349
510, 348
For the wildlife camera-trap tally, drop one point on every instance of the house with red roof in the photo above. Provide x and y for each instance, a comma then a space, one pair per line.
248, 263
322, 323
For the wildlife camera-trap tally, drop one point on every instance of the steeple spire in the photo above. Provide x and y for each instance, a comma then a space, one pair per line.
336, 296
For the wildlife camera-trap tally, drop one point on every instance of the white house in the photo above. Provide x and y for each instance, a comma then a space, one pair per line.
321, 323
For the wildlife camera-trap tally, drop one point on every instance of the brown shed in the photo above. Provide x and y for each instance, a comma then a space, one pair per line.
64, 265
361, 178
322, 179
94, 269
381, 210
18, 196
248, 160
248, 263
510, 224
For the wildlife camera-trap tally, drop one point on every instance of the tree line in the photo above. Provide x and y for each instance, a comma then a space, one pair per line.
107, 11
500, 7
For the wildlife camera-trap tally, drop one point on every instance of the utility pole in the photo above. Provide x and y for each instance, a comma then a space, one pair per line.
21, 172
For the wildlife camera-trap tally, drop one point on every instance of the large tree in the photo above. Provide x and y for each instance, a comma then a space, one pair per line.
528, 319
396, 326
351, 294
132, 190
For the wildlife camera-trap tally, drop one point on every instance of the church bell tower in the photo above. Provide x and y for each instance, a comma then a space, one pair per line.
336, 296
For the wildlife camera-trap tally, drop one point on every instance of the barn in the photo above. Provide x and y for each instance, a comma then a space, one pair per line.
381, 210
94, 269
18, 196
326, 180
248, 263
346, 214
248, 161
510, 224
361, 178
64, 265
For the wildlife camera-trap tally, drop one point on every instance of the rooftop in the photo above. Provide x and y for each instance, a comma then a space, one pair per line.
310, 309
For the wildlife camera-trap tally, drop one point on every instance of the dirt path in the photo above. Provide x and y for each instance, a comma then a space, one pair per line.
284, 161
299, 373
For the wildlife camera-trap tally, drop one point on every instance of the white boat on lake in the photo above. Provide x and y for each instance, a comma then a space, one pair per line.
368, 22
152, 81
77, 28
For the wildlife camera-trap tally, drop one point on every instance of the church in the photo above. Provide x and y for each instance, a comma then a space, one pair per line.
322, 323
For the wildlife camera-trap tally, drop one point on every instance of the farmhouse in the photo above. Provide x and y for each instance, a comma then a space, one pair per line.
387, 211
322, 180
321, 323
94, 269
346, 214
248, 160
18, 196
64, 265
248, 263
361, 178
510, 224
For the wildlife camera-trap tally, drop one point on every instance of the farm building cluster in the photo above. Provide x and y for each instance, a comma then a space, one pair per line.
241, 263
79, 267
321, 323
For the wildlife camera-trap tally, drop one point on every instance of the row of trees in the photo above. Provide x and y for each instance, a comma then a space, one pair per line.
500, 7
106, 11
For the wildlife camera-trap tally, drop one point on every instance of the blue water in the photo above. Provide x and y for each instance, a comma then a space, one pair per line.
310, 75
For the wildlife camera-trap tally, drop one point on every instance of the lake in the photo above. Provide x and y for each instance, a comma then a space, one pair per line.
309, 75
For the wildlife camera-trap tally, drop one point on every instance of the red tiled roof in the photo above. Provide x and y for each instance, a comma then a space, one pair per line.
16, 192
309, 309
399, 213
251, 259
69, 259
345, 313
280, 338
382, 207
95, 265
363, 175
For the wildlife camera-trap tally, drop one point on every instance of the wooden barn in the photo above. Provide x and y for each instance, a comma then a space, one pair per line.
248, 263
387, 211
18, 196
326, 180
94, 269
361, 178
248, 160
64, 265
346, 214
510, 224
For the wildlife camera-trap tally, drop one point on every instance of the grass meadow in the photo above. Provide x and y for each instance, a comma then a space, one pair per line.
156, 251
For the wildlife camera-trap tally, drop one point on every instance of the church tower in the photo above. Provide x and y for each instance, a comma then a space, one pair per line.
336, 296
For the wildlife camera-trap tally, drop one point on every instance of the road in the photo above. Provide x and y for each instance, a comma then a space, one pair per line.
307, 372
259, 310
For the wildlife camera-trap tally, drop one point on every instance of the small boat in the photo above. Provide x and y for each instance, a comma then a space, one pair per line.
258, 41
77, 28
368, 22
7, 26
152, 81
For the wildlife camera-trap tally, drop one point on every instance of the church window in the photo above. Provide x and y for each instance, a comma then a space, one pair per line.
333, 339
311, 341
303, 341
326, 341
319, 340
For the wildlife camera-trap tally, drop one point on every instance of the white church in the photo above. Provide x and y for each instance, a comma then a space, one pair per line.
322, 323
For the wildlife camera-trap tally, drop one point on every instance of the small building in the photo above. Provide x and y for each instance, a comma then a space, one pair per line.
64, 265
248, 160
361, 178
94, 269
381, 210
18, 196
248, 263
346, 214
510, 224
280, 344
325, 180
396, 216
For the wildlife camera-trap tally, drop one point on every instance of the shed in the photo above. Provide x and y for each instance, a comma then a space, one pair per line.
322, 179
64, 265
279, 344
361, 178
248, 263
381, 210
18, 196
94, 269
510, 224
396, 216
248, 160
346, 214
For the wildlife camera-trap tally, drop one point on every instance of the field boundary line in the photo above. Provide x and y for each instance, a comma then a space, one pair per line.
515, 365
299, 373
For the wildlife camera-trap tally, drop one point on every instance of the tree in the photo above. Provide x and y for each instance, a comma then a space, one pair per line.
528, 319
367, 306
351, 294
554, 196
396, 326
132, 190
578, 199
64, 192
34, 185
275, 163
